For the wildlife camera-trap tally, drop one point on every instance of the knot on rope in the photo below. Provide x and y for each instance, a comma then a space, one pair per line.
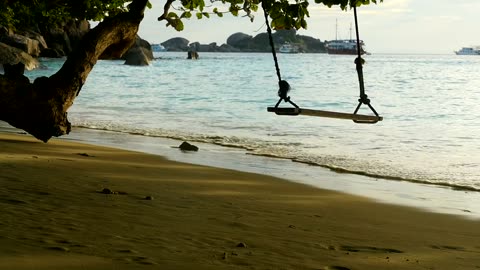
283, 90
359, 61
364, 99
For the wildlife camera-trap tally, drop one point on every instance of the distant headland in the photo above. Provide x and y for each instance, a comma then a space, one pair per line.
241, 42
60, 40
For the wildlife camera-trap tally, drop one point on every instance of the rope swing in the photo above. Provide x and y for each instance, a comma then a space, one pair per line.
284, 88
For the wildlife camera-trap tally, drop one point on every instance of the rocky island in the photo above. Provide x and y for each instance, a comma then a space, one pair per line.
59, 42
241, 42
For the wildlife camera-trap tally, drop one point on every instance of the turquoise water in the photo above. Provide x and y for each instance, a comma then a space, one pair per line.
429, 102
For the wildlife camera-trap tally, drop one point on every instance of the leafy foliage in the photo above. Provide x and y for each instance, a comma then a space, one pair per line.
31, 13
285, 14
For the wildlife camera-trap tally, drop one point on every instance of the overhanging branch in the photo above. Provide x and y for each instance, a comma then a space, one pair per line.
40, 108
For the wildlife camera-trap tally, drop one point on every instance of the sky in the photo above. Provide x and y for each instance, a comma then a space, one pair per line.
394, 26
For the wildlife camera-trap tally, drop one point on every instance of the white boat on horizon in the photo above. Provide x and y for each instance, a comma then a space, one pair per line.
468, 51
158, 48
344, 46
288, 48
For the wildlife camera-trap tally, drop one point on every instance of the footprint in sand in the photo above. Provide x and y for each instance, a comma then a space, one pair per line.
142, 260
64, 241
127, 251
448, 248
369, 249
57, 248
336, 267
84, 155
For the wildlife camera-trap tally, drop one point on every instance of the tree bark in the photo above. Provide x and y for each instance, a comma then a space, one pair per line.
40, 108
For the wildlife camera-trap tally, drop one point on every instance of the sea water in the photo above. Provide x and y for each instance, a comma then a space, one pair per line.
430, 104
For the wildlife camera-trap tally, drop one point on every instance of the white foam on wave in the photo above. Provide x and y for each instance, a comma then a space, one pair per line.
293, 151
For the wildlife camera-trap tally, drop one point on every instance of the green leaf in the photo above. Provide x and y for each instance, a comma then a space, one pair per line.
172, 15
179, 25
233, 10
199, 15
186, 14
303, 23
279, 23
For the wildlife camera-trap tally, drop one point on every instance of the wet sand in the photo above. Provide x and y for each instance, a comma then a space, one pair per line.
66, 205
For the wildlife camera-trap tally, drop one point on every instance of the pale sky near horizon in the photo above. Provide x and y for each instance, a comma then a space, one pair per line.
394, 26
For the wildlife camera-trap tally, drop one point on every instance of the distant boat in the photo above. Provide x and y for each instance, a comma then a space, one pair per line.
344, 46
468, 51
158, 48
288, 48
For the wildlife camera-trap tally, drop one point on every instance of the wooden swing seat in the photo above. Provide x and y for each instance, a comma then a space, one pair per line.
359, 118
284, 87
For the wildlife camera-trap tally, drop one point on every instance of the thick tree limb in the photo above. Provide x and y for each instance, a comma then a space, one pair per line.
166, 9
40, 108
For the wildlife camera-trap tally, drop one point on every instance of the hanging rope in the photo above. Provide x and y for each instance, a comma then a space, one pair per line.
272, 45
284, 87
359, 66
359, 61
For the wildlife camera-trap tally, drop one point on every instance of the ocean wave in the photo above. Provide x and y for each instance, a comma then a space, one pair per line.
293, 151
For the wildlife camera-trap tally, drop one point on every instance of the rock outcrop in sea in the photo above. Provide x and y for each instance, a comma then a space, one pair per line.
241, 42
59, 41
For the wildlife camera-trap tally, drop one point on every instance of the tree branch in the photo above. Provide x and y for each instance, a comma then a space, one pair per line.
166, 9
40, 108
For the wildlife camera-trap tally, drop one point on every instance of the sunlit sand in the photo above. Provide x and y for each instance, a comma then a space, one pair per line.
168, 215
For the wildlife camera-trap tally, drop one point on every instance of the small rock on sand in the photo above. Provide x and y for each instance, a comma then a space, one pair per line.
242, 245
185, 146
108, 191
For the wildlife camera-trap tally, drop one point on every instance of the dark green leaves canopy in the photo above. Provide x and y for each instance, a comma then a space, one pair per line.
284, 13
28, 13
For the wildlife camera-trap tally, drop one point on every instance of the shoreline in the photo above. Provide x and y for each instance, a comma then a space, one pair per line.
429, 197
56, 214
432, 198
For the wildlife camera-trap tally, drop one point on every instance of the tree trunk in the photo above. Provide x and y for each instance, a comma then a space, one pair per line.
40, 108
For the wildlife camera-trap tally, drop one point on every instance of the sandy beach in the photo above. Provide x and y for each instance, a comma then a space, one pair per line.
66, 205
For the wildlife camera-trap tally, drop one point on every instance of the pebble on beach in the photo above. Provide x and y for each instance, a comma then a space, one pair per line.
185, 146
242, 245
108, 191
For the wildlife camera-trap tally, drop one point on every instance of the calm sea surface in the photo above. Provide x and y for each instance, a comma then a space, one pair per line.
430, 105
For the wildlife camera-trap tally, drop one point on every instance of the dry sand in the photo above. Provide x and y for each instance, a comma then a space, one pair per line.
53, 215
